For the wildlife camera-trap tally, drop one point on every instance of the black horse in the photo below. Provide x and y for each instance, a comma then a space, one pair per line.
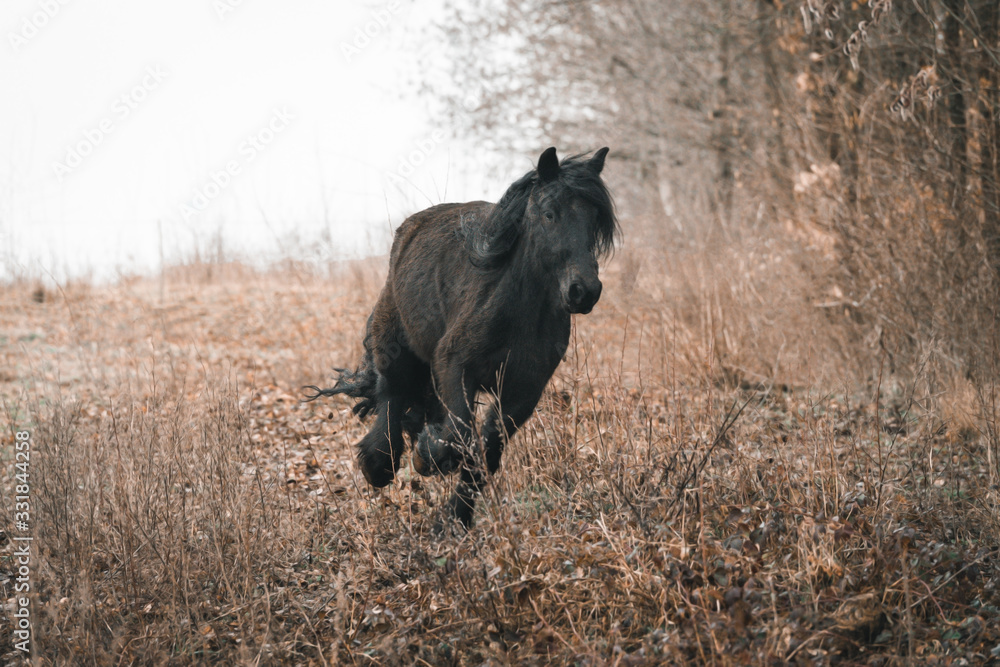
478, 299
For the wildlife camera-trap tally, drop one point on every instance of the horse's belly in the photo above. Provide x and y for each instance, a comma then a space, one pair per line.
420, 335
433, 302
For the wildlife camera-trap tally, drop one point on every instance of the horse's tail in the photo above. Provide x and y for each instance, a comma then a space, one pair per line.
360, 383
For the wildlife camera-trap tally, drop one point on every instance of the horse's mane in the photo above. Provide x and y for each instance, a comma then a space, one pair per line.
490, 239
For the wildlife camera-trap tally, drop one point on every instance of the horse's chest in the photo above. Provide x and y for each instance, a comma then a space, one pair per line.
539, 350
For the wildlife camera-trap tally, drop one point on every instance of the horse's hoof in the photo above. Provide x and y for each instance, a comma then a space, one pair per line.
378, 477
422, 462
449, 525
377, 470
427, 451
433, 455
460, 510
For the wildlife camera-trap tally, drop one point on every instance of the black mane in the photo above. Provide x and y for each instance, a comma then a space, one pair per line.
490, 240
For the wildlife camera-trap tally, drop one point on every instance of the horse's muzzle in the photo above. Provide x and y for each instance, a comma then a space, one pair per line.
581, 297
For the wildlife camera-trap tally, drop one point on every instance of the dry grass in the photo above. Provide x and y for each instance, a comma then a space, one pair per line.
669, 502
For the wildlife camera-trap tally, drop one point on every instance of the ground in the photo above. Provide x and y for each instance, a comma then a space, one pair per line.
661, 507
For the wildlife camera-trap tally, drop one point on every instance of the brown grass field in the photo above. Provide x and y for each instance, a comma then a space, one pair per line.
706, 481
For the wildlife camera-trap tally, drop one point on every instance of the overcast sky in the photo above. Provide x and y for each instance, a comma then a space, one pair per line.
125, 122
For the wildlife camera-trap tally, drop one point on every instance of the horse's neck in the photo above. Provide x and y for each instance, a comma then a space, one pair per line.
531, 284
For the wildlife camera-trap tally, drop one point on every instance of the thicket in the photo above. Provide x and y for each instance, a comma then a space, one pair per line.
857, 142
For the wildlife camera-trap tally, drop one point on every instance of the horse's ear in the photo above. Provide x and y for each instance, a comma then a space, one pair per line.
596, 163
548, 165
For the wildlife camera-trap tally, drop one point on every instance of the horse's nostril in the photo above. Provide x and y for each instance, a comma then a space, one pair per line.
576, 293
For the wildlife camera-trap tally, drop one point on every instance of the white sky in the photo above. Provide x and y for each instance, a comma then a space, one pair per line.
198, 80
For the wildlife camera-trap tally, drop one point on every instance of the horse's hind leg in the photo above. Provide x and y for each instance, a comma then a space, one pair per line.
402, 378
380, 449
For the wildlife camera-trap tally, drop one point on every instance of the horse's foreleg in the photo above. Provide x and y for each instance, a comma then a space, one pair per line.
501, 425
463, 501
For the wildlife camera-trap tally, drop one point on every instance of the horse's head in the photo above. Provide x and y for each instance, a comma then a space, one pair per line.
561, 216
570, 223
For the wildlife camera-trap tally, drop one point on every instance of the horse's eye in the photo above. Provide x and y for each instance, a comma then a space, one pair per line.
549, 215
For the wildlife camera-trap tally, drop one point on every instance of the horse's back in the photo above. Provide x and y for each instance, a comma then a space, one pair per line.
430, 272
433, 231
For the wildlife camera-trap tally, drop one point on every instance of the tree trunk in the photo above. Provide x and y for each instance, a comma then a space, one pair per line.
724, 119
956, 98
779, 164
989, 100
